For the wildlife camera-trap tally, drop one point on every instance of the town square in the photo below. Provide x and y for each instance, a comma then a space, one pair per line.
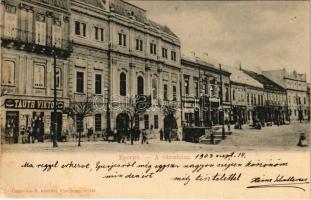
112, 75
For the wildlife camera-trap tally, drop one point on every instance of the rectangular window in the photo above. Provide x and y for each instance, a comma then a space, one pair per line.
8, 73
186, 86
58, 78
99, 34
40, 33
165, 92
173, 55
98, 122
80, 28
154, 88
227, 95
39, 76
80, 82
77, 28
98, 84
304, 100
83, 29
164, 52
156, 121
146, 121
139, 45
57, 35
10, 21
196, 88
174, 93
153, 48
122, 39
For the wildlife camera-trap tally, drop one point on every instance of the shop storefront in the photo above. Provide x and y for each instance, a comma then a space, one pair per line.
31, 120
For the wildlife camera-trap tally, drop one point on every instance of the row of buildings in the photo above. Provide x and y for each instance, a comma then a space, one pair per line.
106, 52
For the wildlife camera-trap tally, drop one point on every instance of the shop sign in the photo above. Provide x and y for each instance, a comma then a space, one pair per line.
32, 104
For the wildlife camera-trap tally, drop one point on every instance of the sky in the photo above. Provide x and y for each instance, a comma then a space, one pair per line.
261, 35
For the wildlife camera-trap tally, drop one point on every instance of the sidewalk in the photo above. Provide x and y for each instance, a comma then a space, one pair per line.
272, 138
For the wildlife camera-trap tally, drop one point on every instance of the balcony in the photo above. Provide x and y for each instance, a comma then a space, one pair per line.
35, 43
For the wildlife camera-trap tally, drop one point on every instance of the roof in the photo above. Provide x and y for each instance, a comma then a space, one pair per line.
204, 63
267, 83
128, 10
96, 3
163, 28
239, 76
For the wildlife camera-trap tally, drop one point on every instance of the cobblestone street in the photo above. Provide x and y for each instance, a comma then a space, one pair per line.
269, 138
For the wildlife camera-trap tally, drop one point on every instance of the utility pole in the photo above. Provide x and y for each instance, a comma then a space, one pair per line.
55, 102
222, 105
108, 127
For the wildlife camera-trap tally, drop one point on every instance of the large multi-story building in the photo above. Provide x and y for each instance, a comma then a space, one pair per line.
247, 97
33, 33
275, 102
108, 53
296, 90
117, 47
201, 93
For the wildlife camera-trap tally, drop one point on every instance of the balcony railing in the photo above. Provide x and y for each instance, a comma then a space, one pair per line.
31, 41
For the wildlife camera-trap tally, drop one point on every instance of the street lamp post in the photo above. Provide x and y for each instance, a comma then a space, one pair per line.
222, 105
55, 103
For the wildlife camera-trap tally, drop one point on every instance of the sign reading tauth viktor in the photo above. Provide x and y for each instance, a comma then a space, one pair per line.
32, 104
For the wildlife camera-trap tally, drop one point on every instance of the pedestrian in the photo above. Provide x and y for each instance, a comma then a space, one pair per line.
30, 136
240, 123
161, 134
144, 137
168, 136
137, 134
124, 135
302, 140
212, 138
132, 135
118, 135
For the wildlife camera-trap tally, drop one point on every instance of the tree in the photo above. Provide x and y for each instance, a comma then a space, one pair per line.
78, 110
135, 107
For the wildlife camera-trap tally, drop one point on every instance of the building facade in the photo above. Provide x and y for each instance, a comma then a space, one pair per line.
275, 103
201, 93
296, 91
247, 96
32, 35
89, 78
145, 61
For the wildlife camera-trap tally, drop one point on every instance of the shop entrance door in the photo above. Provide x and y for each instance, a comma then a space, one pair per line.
38, 126
59, 122
12, 126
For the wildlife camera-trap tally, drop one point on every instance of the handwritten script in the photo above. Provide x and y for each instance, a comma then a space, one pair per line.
181, 169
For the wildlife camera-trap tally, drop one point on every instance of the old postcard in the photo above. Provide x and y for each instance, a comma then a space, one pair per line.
155, 99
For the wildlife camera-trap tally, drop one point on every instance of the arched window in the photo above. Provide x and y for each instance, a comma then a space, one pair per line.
154, 88
123, 84
140, 85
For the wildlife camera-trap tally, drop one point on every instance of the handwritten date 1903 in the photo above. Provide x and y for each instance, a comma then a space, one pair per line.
220, 155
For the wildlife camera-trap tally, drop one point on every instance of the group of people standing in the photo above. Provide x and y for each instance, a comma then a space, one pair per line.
135, 135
